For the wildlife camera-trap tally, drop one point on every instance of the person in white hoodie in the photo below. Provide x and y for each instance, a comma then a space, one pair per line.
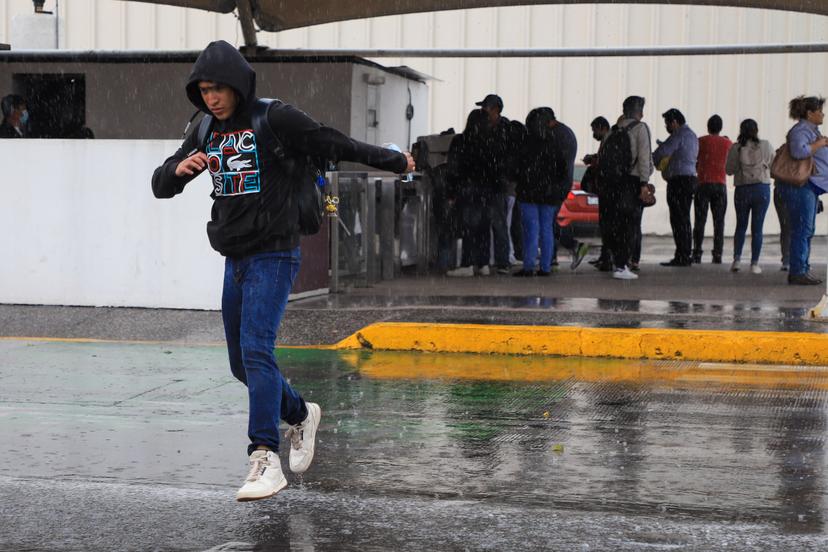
749, 161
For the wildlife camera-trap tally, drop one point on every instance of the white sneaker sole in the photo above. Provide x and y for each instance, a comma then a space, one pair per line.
317, 411
249, 497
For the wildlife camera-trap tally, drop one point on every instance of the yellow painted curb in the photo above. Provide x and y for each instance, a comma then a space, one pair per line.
641, 343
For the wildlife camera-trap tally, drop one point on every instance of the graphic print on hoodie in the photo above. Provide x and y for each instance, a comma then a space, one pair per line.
233, 162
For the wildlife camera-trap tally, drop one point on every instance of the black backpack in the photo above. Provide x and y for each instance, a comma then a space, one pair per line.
615, 156
306, 172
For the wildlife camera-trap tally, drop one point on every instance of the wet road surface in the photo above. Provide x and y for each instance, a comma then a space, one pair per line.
142, 446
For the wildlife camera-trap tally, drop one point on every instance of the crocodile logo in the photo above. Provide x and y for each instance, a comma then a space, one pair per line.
236, 164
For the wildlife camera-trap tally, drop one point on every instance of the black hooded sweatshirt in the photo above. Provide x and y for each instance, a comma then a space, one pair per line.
254, 209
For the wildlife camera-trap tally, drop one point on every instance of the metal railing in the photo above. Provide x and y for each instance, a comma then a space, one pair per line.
381, 228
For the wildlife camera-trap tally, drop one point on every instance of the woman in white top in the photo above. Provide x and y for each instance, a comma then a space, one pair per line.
749, 161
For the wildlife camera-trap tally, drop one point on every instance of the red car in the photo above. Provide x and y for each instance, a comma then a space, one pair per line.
579, 212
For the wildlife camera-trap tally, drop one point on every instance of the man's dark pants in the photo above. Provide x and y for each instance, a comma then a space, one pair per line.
619, 207
714, 196
635, 251
680, 190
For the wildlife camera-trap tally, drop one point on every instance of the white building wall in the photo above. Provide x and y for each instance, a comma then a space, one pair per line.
86, 230
755, 86
736, 87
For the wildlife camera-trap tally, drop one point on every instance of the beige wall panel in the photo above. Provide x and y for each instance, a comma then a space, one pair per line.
170, 29
447, 105
578, 89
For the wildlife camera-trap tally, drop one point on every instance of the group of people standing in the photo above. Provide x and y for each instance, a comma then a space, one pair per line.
696, 170
496, 162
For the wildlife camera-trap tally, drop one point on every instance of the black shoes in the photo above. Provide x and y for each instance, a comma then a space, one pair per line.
803, 280
530, 273
676, 262
717, 259
697, 258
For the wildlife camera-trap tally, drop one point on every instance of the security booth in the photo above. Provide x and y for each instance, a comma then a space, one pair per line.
134, 105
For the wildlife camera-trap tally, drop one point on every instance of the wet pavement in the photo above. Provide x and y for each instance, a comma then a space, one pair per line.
142, 446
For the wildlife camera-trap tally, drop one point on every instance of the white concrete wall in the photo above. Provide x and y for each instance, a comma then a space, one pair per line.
79, 226
736, 87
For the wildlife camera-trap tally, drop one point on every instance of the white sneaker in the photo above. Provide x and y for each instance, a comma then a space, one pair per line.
624, 274
755, 269
462, 272
265, 478
734, 267
303, 439
482, 271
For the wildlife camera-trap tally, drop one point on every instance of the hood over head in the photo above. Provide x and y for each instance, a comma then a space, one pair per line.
537, 122
221, 62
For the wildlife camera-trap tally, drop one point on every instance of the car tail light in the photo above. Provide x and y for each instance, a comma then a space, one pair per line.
570, 196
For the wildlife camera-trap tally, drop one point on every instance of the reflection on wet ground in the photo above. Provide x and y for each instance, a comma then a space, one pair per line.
416, 451
772, 315
574, 304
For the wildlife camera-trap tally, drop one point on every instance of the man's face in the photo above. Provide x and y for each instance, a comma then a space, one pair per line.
493, 112
671, 126
220, 99
598, 133
16, 114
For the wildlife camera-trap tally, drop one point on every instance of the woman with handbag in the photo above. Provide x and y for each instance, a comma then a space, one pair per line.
749, 161
801, 170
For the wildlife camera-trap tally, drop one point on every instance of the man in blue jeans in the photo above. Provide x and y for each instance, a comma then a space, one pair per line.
255, 225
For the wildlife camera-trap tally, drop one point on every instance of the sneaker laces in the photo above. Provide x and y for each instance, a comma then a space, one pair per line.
256, 470
295, 434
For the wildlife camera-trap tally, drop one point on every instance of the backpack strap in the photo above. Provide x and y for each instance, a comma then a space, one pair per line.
262, 129
204, 127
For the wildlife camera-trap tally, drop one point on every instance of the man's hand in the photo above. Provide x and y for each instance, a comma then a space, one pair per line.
192, 165
411, 166
590, 158
822, 141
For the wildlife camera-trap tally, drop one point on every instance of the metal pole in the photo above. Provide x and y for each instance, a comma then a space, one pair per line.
386, 227
630, 51
248, 27
333, 225
369, 231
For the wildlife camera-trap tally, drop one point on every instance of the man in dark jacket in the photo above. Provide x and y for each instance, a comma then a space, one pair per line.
15, 117
254, 224
567, 144
502, 148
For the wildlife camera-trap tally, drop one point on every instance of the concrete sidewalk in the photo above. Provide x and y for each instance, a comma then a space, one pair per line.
703, 298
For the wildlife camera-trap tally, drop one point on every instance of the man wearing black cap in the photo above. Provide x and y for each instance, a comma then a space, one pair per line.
503, 142
680, 153
255, 225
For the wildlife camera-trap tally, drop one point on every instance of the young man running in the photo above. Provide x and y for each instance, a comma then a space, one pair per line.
255, 225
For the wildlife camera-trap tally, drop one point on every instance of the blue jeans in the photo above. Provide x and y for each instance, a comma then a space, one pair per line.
800, 202
538, 223
750, 201
256, 290
500, 216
